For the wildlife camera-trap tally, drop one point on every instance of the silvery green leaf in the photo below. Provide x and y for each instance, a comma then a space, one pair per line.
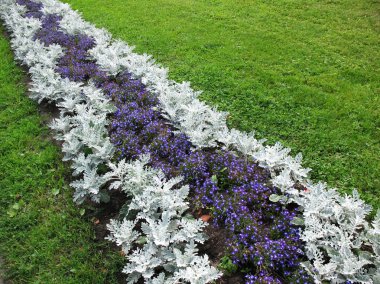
214, 178
298, 221
275, 197
365, 255
142, 240
104, 197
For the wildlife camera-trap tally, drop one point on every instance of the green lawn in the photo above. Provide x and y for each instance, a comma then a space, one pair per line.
305, 72
43, 238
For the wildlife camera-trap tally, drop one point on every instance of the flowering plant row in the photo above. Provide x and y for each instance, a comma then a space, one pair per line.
224, 179
82, 127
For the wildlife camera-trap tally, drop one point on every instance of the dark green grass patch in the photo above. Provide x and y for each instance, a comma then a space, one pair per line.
305, 73
43, 238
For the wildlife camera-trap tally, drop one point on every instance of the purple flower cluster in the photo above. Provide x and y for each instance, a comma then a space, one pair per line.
74, 64
33, 8
261, 240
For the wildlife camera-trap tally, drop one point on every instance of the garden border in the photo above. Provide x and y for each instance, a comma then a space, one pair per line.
331, 220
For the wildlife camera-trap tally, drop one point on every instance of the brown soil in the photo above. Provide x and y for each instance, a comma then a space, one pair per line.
214, 247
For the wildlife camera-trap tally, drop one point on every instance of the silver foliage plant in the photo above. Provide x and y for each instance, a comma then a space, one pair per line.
87, 131
340, 243
82, 127
168, 237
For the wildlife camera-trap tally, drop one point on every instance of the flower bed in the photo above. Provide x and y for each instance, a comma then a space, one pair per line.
230, 174
262, 240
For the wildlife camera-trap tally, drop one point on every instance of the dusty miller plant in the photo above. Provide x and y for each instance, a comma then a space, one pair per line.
167, 239
340, 243
82, 126
87, 144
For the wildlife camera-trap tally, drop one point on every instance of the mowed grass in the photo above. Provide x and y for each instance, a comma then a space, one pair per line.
305, 72
43, 239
